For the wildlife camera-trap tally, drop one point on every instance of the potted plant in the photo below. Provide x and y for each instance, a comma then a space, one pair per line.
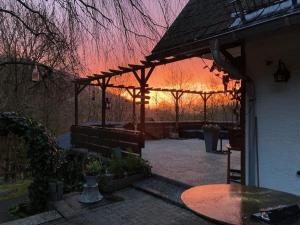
121, 173
92, 170
211, 137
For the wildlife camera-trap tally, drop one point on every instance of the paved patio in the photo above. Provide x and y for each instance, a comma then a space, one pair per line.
138, 208
182, 160
187, 161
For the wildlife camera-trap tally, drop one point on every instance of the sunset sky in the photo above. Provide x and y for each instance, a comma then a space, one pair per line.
188, 74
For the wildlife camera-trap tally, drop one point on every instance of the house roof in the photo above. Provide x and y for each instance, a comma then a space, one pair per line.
201, 20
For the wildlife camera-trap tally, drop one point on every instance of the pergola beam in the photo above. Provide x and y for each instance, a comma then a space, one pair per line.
135, 91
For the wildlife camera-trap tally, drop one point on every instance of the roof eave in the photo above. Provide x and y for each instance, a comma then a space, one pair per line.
232, 36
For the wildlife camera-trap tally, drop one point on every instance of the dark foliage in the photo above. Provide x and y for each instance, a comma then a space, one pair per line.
42, 152
70, 171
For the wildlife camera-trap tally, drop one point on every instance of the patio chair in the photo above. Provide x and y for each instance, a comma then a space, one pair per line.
233, 175
236, 143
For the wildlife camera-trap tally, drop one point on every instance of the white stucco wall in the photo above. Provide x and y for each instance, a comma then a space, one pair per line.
278, 109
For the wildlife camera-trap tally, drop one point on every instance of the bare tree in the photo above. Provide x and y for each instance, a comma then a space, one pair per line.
73, 24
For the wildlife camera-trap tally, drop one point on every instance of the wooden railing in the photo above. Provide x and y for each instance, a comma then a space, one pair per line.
105, 140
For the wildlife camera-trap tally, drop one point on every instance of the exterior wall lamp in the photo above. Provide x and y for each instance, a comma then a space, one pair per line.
282, 74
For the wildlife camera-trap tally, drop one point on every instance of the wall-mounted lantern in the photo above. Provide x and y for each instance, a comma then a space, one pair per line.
282, 74
107, 103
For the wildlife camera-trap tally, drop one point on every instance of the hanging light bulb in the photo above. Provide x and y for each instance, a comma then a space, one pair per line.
35, 76
107, 103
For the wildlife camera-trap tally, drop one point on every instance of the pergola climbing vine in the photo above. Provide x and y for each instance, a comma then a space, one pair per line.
42, 153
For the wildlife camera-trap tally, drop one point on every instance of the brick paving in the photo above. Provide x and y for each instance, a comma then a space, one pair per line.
187, 161
138, 208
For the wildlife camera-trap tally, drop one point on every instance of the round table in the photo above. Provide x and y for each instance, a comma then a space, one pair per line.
233, 203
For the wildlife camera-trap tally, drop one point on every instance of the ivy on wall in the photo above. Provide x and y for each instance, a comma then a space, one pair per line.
42, 153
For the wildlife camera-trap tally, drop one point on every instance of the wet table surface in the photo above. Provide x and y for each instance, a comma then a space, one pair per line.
233, 203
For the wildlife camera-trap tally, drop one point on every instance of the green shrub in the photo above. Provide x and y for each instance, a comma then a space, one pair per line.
117, 167
130, 166
70, 171
93, 167
135, 165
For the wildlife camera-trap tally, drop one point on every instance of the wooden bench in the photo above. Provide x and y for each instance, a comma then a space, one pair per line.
105, 140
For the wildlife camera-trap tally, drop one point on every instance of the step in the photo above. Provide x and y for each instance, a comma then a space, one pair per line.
164, 188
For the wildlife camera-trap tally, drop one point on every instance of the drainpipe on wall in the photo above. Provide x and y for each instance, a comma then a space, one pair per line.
251, 140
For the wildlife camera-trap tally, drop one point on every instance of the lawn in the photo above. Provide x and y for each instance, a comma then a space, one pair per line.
13, 190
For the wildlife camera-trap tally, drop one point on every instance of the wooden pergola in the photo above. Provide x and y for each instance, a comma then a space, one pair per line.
138, 93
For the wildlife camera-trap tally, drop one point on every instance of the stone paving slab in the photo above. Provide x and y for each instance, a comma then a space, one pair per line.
70, 205
187, 161
36, 219
163, 188
138, 208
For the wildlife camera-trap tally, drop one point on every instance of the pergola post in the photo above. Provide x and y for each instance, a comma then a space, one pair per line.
143, 79
177, 95
143, 84
103, 84
205, 96
133, 105
133, 95
205, 107
103, 106
78, 89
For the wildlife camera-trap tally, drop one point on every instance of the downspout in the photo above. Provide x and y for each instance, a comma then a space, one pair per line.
251, 140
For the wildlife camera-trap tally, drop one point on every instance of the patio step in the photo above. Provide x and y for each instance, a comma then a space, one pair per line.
164, 188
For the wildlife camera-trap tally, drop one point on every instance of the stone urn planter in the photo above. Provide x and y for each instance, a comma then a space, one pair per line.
211, 137
91, 180
90, 193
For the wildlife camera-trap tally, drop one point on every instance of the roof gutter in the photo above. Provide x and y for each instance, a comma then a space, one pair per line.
233, 72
